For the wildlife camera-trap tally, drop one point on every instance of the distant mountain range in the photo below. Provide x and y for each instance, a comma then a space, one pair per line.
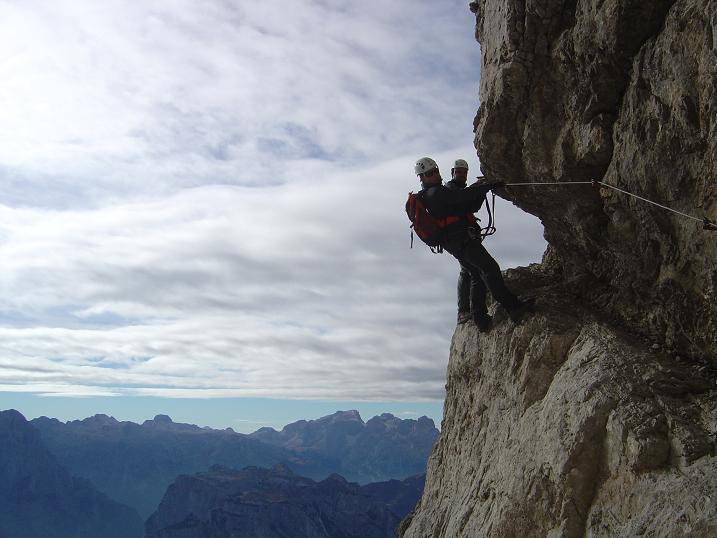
276, 503
385, 447
134, 464
40, 499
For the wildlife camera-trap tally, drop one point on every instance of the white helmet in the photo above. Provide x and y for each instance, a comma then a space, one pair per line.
426, 164
460, 163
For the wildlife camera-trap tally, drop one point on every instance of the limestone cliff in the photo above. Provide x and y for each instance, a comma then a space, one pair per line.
621, 91
565, 426
598, 415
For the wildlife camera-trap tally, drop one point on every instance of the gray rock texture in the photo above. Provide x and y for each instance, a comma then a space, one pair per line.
563, 427
621, 91
598, 415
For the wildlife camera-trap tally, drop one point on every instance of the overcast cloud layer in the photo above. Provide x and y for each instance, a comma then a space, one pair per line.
207, 200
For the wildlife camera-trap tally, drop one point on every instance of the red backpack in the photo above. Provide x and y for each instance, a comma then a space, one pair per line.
427, 227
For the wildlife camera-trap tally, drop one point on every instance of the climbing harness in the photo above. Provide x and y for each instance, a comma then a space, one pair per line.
484, 231
707, 224
490, 207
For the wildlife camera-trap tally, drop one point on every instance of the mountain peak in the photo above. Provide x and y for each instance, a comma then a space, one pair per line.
101, 419
351, 415
426, 422
12, 415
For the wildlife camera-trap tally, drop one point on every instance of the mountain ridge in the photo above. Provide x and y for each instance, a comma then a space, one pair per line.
397, 446
41, 499
135, 463
275, 503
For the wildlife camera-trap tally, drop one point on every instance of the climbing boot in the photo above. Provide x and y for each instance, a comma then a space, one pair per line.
518, 312
483, 322
464, 317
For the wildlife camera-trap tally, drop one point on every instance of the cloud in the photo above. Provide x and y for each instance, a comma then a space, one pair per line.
115, 100
307, 289
209, 202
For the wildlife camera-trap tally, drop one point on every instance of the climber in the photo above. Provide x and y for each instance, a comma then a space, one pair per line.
470, 291
462, 239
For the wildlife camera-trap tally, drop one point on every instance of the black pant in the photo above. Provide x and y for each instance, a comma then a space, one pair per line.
484, 272
471, 293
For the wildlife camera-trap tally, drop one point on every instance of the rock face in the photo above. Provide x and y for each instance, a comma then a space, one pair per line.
563, 426
39, 498
272, 503
384, 447
623, 91
598, 415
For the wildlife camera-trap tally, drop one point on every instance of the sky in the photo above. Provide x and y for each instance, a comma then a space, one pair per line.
201, 207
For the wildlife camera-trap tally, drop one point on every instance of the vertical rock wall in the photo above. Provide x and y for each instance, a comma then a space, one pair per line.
598, 415
564, 426
621, 91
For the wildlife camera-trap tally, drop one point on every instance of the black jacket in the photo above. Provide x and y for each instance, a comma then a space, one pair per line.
455, 185
442, 202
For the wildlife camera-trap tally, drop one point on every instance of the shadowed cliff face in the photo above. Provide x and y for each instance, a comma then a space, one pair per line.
597, 416
40, 499
621, 91
275, 503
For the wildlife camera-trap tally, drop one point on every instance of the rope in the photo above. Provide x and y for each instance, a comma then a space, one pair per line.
707, 223
551, 183
650, 201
